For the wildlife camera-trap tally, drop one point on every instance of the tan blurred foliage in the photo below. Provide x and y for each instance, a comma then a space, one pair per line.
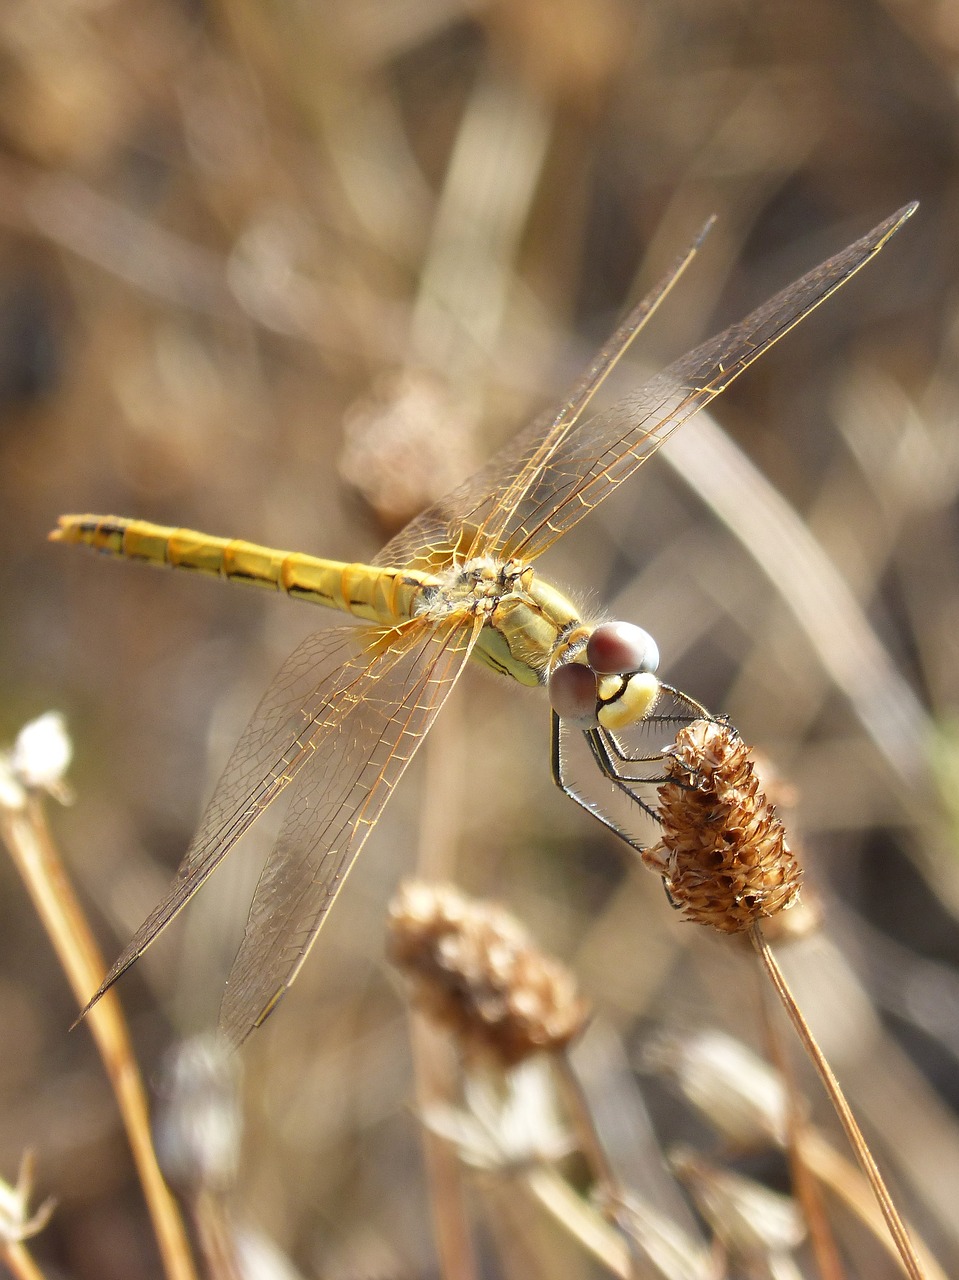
242, 242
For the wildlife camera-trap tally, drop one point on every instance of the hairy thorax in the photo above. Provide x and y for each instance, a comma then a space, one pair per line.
527, 622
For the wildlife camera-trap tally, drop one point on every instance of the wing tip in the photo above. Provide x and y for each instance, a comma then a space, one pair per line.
891, 225
704, 231
94, 1000
236, 1025
125, 962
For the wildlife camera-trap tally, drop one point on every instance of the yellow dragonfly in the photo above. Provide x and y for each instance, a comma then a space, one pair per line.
349, 708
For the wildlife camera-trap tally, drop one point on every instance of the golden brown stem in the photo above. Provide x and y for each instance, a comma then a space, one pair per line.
215, 1237
897, 1229
581, 1220
27, 837
805, 1186
19, 1260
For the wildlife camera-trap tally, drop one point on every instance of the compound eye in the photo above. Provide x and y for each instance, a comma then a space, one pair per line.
572, 693
618, 648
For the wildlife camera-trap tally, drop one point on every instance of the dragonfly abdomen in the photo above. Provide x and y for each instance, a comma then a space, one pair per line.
381, 595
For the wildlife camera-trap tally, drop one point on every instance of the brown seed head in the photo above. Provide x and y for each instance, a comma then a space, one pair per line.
406, 445
723, 851
475, 970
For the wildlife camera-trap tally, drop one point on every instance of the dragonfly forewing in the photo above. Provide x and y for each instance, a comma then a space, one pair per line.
335, 802
557, 470
591, 461
454, 526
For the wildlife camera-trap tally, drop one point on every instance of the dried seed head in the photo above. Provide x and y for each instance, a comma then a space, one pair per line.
723, 851
475, 970
37, 761
406, 445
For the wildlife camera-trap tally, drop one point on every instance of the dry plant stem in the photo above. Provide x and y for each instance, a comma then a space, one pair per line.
581, 1221
444, 1173
611, 1194
215, 1237
805, 1186
587, 1137
28, 839
869, 1167
523, 1250
19, 1262
847, 1184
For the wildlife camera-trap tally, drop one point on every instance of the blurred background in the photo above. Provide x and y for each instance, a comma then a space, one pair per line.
288, 271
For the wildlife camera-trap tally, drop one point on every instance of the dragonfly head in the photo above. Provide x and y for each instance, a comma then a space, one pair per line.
610, 680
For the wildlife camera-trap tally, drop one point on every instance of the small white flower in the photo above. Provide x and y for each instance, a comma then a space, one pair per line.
42, 754
739, 1094
16, 1221
197, 1124
670, 1250
258, 1258
509, 1122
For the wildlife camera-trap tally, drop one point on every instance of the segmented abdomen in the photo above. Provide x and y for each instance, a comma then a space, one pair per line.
380, 595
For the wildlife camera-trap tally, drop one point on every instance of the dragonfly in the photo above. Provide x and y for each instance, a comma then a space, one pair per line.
350, 707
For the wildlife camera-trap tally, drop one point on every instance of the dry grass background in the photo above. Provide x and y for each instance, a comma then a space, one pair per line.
248, 251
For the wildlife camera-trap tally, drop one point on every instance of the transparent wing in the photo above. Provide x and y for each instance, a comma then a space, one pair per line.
451, 526
368, 742
550, 477
308, 698
589, 462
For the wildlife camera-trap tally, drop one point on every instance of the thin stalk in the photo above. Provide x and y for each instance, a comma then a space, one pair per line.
19, 1261
432, 1067
611, 1193
904, 1245
580, 1220
805, 1186
214, 1236
27, 837
847, 1184
444, 1173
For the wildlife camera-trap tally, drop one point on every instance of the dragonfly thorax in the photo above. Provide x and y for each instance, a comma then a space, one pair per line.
478, 586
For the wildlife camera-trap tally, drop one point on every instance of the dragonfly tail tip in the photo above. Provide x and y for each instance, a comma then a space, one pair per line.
62, 532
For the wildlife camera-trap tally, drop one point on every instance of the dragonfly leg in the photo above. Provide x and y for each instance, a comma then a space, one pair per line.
615, 761
695, 709
584, 802
610, 757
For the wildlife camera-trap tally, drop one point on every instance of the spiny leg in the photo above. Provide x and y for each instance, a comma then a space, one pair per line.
600, 741
599, 748
609, 755
590, 806
613, 758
